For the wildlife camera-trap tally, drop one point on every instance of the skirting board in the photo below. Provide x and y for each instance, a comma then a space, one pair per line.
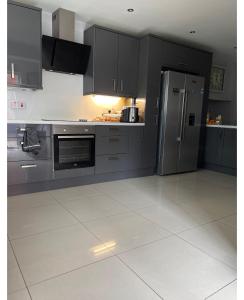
221, 169
26, 188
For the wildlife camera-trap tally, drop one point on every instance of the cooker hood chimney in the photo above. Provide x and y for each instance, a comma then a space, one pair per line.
63, 24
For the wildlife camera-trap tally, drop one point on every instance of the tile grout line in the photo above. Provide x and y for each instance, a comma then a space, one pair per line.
138, 276
70, 271
22, 275
216, 292
196, 247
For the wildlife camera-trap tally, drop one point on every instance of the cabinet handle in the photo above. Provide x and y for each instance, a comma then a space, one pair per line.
113, 158
12, 70
121, 85
114, 84
28, 166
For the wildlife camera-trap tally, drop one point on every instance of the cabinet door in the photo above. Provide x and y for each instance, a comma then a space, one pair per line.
105, 62
213, 145
127, 66
228, 157
24, 46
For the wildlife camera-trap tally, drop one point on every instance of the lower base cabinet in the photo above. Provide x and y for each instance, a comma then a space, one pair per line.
221, 149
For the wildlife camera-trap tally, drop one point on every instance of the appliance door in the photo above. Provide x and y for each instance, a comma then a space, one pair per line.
73, 151
189, 145
171, 121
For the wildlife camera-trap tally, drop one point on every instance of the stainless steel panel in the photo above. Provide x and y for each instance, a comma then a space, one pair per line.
72, 129
189, 145
171, 114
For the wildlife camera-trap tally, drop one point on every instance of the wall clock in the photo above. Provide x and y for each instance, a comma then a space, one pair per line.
217, 79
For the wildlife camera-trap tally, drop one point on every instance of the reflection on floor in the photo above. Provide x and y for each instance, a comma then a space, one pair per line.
171, 238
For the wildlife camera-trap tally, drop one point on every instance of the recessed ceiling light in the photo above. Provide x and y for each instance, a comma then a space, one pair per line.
130, 9
192, 31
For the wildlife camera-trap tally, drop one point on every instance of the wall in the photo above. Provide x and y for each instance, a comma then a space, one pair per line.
225, 103
61, 97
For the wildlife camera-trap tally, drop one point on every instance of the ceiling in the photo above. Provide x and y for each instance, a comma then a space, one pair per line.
213, 20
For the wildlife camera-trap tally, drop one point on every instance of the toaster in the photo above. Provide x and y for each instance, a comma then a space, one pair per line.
129, 114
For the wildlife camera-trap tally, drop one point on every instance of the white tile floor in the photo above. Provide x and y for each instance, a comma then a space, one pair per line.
171, 238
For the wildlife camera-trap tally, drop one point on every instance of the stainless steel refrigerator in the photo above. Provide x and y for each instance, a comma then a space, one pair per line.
180, 122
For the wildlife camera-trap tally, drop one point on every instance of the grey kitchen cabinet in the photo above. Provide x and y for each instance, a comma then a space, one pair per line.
29, 171
120, 151
112, 68
135, 148
220, 149
127, 65
24, 62
111, 163
229, 151
112, 144
213, 145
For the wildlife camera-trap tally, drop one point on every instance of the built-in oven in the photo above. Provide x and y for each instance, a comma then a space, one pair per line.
73, 146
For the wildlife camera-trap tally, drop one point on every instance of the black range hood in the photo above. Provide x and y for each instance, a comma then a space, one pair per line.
59, 55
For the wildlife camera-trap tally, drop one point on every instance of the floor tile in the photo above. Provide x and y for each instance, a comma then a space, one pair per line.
126, 231
20, 295
176, 270
171, 217
51, 253
30, 200
230, 220
93, 207
134, 199
216, 239
73, 192
15, 279
227, 293
34, 220
106, 280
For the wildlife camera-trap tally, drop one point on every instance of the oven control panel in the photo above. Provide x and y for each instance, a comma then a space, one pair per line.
73, 129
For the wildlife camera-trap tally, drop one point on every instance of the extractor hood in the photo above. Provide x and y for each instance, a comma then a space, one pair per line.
60, 53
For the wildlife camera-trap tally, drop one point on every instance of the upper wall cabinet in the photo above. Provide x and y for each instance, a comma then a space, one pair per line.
24, 46
113, 63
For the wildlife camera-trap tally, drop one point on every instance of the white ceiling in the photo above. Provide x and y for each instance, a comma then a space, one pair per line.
213, 20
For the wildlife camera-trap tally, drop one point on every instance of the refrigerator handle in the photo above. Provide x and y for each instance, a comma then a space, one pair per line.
184, 115
179, 139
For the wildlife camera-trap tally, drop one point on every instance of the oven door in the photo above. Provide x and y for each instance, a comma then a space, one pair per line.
73, 151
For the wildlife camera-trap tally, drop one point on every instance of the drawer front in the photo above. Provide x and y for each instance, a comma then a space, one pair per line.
15, 152
112, 144
111, 163
29, 171
17, 130
111, 130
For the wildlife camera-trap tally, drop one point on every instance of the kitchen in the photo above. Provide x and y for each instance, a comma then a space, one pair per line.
117, 140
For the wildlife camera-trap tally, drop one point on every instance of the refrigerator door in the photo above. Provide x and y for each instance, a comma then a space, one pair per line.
188, 152
172, 97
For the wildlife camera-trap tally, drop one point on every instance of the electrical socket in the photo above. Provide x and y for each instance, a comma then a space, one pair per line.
17, 105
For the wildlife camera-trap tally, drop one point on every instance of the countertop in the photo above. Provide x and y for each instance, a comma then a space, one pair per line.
89, 123
223, 126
